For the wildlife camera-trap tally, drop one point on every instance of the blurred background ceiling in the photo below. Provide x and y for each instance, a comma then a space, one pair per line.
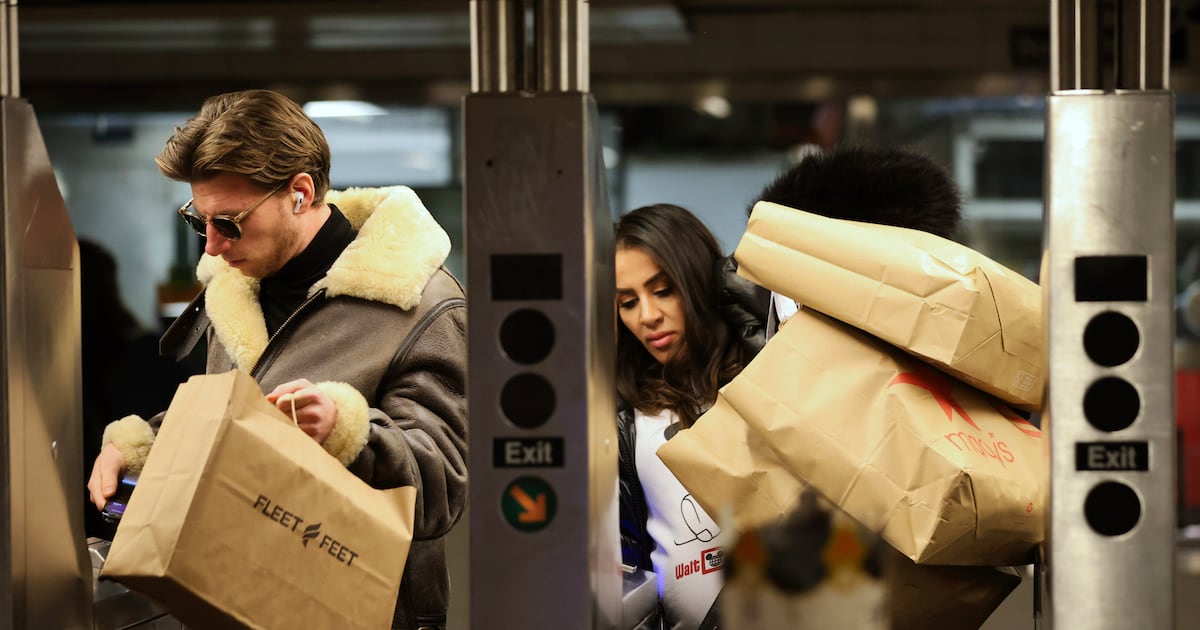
94, 54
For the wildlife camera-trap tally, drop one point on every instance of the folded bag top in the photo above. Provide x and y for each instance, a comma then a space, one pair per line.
934, 298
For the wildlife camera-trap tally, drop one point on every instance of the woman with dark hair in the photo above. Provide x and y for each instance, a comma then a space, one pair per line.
675, 349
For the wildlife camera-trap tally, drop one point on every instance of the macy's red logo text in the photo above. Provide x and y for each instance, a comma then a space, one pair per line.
942, 389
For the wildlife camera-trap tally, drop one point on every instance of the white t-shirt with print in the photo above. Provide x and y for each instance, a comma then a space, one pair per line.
687, 557
781, 309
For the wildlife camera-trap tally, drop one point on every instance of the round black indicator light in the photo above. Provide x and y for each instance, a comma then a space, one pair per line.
1111, 338
1111, 404
527, 400
1112, 509
526, 336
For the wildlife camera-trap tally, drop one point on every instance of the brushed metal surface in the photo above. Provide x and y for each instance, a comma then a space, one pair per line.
1074, 44
497, 45
562, 45
535, 185
1110, 191
1143, 44
116, 607
44, 568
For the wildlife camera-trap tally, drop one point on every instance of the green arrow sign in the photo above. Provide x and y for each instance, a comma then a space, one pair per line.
528, 504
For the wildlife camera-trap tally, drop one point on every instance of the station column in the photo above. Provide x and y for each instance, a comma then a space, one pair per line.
1109, 282
544, 546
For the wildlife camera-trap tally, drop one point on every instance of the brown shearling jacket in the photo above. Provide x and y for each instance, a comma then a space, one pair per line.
383, 334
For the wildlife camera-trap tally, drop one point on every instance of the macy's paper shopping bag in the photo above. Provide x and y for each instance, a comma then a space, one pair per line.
240, 519
732, 472
935, 298
946, 474
816, 568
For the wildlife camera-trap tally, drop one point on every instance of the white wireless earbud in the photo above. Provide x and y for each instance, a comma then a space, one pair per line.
299, 200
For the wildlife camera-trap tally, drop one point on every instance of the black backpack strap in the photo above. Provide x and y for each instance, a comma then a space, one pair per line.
186, 331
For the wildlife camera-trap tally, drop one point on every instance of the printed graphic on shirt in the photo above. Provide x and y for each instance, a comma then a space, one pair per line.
702, 529
710, 560
687, 557
694, 517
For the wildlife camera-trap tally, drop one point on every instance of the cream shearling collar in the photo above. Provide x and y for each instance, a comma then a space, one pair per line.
398, 249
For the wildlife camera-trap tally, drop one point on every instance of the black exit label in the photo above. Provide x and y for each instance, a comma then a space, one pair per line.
1133, 456
527, 452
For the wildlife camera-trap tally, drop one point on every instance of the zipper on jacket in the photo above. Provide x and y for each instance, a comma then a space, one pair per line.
638, 506
637, 501
312, 298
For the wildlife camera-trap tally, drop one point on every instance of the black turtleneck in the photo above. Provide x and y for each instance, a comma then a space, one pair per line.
282, 293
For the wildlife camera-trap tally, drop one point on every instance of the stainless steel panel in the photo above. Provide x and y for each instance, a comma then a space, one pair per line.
116, 607
1138, 38
535, 185
1187, 582
1110, 192
45, 580
10, 68
1074, 44
1142, 43
497, 45
562, 45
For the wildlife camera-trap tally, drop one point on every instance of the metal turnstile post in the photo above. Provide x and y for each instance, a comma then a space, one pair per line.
1109, 284
544, 547
45, 573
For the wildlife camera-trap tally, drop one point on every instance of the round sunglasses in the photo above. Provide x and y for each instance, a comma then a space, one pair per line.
229, 226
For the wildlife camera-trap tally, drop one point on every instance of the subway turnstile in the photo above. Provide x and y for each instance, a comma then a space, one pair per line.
1109, 285
544, 547
45, 575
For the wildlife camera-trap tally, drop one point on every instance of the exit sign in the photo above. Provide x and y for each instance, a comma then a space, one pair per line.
546, 452
1120, 456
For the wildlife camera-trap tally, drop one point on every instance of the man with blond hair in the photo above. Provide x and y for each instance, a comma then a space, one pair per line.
337, 303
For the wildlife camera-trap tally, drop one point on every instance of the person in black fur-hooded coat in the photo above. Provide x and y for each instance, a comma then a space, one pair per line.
886, 186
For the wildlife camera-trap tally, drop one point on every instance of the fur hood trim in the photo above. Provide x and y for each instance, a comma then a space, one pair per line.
398, 249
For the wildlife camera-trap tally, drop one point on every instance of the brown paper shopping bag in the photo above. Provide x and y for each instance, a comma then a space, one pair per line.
730, 470
935, 298
946, 474
945, 597
240, 519
773, 579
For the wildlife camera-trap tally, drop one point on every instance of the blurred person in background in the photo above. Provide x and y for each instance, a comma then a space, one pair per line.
123, 372
886, 186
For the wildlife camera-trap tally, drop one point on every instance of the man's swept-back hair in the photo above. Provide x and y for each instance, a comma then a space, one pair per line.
260, 134
873, 185
690, 257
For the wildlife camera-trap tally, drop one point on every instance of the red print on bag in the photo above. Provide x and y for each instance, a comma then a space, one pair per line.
939, 387
1022, 425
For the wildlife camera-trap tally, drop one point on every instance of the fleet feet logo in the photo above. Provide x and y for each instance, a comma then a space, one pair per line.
293, 522
311, 532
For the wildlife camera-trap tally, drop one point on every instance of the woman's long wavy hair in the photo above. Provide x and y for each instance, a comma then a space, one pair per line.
711, 356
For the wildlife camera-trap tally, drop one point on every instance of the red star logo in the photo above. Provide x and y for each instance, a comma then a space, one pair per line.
1022, 425
939, 387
